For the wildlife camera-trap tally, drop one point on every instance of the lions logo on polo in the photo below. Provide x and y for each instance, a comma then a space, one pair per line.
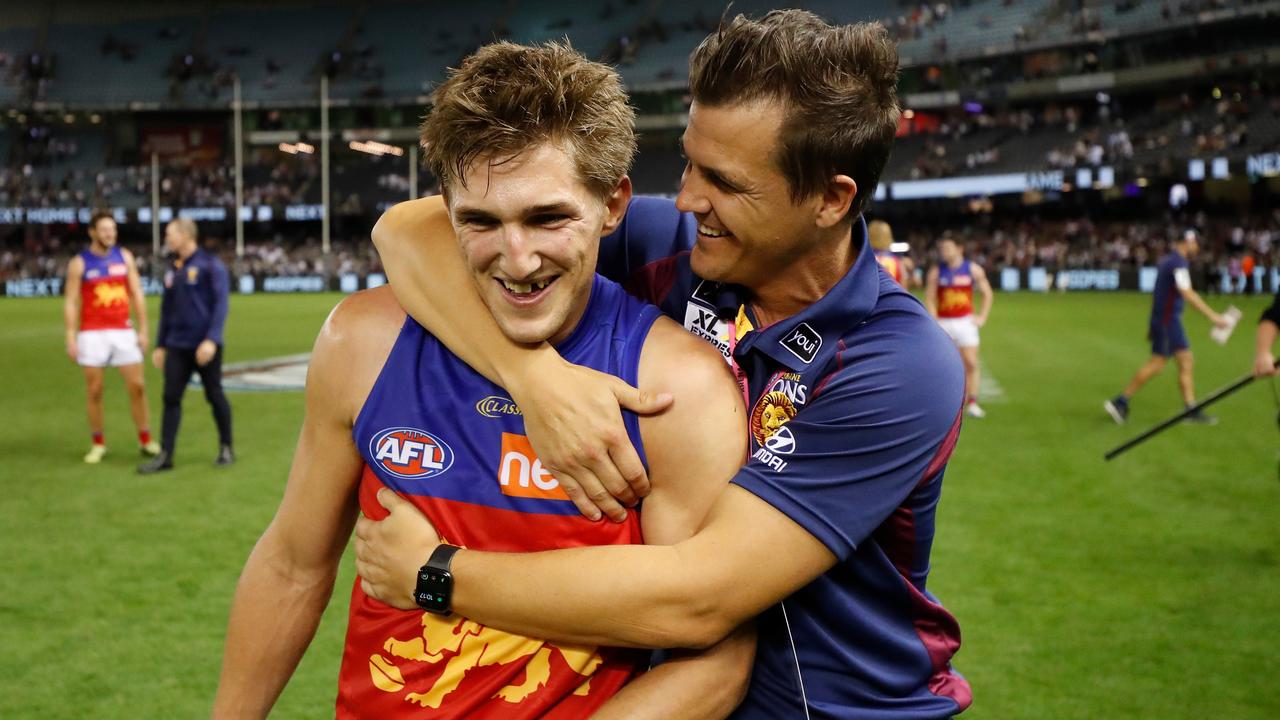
410, 453
773, 411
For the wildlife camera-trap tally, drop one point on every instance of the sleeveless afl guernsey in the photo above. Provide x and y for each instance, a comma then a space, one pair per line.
452, 443
892, 264
104, 291
955, 291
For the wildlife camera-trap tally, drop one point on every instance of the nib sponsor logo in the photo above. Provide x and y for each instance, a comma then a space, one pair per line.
520, 474
410, 453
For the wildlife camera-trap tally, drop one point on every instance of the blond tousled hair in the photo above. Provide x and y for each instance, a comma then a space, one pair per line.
507, 98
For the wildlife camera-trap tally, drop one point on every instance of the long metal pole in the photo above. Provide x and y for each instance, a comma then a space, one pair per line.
155, 205
1213, 398
324, 163
413, 172
239, 135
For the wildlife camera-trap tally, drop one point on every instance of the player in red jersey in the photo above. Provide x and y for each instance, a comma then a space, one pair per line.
899, 267
102, 282
949, 297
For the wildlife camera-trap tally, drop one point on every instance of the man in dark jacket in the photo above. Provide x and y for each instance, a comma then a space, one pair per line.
192, 315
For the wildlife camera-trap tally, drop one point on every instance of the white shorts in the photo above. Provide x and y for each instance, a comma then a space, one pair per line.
108, 348
963, 332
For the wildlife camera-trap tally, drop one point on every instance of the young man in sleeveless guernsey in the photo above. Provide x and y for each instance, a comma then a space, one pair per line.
899, 267
948, 295
532, 146
102, 283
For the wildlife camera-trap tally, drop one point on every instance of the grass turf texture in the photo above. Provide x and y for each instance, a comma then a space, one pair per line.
1144, 587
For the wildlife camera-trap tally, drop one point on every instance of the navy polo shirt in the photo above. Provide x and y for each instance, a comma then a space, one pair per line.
194, 306
855, 407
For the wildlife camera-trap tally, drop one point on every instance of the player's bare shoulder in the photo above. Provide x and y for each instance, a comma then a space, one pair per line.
707, 397
354, 343
675, 358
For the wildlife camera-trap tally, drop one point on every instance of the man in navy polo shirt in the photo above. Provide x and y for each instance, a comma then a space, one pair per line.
854, 397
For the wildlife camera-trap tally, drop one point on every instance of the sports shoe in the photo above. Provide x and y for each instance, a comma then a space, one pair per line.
226, 456
974, 410
1199, 417
94, 456
162, 461
151, 449
1118, 409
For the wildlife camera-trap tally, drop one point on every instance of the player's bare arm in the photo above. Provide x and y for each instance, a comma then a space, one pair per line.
931, 291
983, 286
579, 435
71, 305
288, 579
138, 299
693, 449
1194, 300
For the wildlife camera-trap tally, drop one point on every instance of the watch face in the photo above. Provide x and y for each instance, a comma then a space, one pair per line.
433, 590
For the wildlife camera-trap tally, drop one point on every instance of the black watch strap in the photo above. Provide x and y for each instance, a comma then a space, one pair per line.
434, 589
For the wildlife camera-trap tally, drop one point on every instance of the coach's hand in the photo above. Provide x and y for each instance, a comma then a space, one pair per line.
390, 551
205, 352
1264, 365
574, 420
157, 358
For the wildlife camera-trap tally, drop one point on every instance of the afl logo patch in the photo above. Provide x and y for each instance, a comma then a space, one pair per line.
410, 453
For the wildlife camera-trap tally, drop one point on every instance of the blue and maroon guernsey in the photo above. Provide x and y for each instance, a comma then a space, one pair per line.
454, 445
104, 291
855, 409
1166, 300
955, 290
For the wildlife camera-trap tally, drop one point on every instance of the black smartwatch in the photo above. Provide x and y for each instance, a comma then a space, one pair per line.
434, 591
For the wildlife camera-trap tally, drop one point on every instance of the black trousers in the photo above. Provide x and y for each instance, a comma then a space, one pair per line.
178, 366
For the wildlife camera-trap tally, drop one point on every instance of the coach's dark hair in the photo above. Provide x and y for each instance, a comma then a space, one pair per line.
837, 86
507, 98
99, 215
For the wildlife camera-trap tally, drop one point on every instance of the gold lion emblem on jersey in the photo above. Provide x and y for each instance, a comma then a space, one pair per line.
108, 294
773, 411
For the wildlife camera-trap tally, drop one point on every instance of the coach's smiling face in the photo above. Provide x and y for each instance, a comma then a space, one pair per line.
530, 230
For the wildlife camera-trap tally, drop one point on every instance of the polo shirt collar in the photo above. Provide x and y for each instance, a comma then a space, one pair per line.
809, 338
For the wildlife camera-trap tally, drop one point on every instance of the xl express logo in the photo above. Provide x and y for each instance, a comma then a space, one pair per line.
410, 453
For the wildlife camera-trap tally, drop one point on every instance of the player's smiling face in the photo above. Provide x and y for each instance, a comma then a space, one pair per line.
530, 231
104, 233
749, 229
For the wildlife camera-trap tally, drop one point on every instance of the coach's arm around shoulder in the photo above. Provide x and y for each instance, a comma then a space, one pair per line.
579, 435
289, 577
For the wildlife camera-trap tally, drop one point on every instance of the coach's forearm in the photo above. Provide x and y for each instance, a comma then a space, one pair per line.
643, 596
273, 619
420, 254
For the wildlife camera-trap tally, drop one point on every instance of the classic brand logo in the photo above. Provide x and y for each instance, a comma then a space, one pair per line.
117, 269
495, 406
520, 472
410, 453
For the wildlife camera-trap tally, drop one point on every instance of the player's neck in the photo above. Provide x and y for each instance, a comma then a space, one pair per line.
806, 280
99, 249
956, 265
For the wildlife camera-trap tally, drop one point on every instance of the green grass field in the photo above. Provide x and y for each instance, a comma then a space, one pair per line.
1145, 587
